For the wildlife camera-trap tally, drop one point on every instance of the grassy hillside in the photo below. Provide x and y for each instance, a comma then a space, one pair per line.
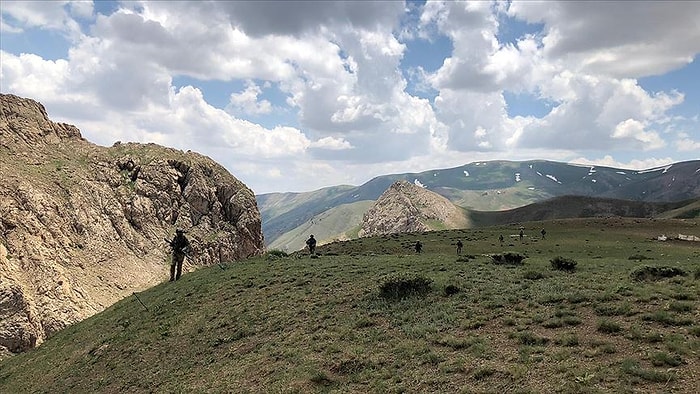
300, 324
582, 207
325, 226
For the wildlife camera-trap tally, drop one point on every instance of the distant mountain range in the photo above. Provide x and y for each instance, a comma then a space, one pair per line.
490, 191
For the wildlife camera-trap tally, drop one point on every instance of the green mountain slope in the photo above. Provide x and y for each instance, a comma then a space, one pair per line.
492, 186
337, 223
580, 207
320, 325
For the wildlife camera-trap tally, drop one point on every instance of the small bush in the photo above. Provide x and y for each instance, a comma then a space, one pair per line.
649, 272
639, 257
563, 264
275, 254
533, 275
451, 290
508, 258
403, 286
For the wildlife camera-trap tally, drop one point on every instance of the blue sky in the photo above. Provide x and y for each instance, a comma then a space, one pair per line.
295, 96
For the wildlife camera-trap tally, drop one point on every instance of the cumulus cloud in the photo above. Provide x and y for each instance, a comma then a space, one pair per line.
338, 67
53, 15
247, 101
617, 38
331, 143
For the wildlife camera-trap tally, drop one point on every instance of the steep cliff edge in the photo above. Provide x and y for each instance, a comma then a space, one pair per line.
82, 226
405, 207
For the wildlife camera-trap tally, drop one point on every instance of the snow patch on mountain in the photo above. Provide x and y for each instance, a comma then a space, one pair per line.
552, 177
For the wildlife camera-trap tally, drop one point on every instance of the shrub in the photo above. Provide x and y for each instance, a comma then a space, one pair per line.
451, 290
403, 286
275, 254
563, 264
533, 275
648, 272
508, 258
639, 257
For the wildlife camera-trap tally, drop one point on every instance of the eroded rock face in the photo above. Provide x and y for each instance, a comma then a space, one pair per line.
82, 226
405, 207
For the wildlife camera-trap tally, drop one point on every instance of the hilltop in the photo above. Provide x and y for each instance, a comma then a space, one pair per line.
405, 207
83, 226
297, 324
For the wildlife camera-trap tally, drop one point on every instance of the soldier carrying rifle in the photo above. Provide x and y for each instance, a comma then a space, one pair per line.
181, 248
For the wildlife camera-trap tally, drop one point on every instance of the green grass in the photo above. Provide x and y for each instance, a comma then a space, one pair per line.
296, 324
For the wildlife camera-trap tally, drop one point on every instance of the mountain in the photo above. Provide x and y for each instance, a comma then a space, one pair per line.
405, 207
82, 226
485, 186
580, 207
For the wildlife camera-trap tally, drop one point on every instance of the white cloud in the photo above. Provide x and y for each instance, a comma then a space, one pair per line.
247, 101
340, 69
609, 161
50, 15
688, 145
633, 129
617, 38
331, 143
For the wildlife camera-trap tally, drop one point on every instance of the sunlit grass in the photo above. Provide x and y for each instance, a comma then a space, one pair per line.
294, 324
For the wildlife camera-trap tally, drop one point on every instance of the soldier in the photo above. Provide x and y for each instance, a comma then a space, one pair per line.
459, 246
181, 247
419, 247
500, 239
311, 243
543, 232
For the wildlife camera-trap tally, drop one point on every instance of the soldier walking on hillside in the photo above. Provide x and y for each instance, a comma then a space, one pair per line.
181, 247
459, 246
500, 239
543, 232
311, 243
419, 247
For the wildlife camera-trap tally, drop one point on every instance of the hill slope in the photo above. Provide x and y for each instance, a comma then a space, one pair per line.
320, 325
82, 226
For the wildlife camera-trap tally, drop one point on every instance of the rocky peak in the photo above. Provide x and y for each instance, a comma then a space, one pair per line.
405, 207
82, 226
25, 120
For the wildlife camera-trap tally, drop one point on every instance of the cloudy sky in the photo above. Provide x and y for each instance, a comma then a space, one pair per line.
295, 96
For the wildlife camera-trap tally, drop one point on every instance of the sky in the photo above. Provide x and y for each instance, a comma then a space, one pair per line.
300, 95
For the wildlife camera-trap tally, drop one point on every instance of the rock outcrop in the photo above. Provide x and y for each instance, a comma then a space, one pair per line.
405, 207
82, 226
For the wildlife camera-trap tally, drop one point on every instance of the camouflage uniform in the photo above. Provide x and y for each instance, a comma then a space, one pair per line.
181, 247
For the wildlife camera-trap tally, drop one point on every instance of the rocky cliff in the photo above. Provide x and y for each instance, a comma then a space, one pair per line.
82, 226
405, 207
